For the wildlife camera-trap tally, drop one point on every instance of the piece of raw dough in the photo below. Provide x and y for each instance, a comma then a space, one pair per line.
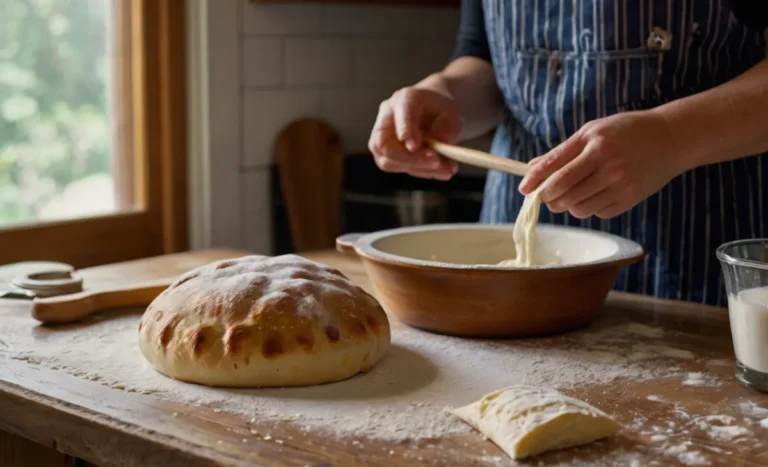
525, 420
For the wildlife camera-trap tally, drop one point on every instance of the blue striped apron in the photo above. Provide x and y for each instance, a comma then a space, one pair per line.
562, 63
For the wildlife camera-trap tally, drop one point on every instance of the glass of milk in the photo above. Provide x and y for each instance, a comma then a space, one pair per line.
745, 270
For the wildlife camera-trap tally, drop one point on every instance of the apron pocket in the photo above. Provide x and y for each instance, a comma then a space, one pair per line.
557, 92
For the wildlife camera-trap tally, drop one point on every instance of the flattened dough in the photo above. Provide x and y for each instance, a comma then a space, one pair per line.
525, 420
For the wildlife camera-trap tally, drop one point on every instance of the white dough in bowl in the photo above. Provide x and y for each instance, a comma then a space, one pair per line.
525, 421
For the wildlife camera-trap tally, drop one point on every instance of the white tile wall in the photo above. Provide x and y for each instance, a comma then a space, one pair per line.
317, 62
268, 70
398, 62
336, 62
353, 112
266, 113
391, 21
333, 61
265, 19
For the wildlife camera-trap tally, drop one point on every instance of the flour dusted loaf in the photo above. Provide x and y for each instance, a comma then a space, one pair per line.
525, 421
262, 321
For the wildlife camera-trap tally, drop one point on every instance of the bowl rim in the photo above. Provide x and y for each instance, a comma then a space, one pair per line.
627, 252
728, 259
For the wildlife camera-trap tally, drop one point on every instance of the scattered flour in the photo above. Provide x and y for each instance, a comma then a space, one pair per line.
681, 414
656, 429
686, 456
638, 422
644, 330
700, 379
402, 398
663, 351
693, 458
694, 379
751, 408
719, 450
621, 341
721, 427
720, 362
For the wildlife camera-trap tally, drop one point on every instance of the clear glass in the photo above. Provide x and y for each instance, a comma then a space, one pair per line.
745, 270
59, 115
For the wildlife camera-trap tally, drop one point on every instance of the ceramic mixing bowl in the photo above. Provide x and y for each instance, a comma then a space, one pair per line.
445, 278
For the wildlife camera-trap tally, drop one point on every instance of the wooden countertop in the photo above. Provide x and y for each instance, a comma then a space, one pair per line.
108, 426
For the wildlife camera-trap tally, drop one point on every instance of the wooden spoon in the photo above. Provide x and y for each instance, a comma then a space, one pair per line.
479, 158
76, 306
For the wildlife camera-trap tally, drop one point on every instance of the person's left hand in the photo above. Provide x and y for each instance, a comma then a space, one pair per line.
608, 166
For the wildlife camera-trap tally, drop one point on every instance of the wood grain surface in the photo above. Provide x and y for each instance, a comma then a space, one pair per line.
109, 426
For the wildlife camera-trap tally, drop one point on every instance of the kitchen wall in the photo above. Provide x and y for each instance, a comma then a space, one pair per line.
255, 67
337, 62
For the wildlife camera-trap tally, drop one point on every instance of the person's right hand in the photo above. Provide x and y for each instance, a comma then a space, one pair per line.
397, 138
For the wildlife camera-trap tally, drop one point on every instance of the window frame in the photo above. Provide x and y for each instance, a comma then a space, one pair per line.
156, 90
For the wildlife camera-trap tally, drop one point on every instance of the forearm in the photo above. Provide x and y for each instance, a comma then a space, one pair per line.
471, 83
724, 123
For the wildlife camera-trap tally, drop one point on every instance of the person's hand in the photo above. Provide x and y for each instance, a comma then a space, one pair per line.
608, 166
397, 138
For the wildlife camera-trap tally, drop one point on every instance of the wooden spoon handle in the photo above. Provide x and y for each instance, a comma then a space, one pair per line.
479, 158
73, 307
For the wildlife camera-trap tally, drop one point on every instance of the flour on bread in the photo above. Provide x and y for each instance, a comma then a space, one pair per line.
264, 321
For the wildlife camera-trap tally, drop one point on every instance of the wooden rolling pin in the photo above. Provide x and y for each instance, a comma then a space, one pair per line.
72, 307
480, 158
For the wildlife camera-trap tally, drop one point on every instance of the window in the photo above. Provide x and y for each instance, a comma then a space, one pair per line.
61, 123
92, 143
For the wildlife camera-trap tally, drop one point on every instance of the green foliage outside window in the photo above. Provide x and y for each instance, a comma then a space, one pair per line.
55, 136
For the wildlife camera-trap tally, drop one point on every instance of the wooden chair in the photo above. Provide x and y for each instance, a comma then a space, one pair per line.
311, 164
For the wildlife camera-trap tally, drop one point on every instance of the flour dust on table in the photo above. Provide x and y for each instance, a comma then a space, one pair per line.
402, 398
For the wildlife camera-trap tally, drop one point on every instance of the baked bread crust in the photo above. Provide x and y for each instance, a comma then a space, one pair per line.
261, 321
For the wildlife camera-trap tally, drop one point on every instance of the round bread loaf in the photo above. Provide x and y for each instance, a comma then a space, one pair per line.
262, 321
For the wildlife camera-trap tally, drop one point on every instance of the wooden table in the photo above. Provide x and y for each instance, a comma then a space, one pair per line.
83, 419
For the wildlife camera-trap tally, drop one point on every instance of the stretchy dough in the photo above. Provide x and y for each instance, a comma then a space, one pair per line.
525, 421
260, 321
524, 232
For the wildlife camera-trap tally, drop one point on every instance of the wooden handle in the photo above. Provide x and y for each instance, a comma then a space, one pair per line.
479, 158
73, 307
